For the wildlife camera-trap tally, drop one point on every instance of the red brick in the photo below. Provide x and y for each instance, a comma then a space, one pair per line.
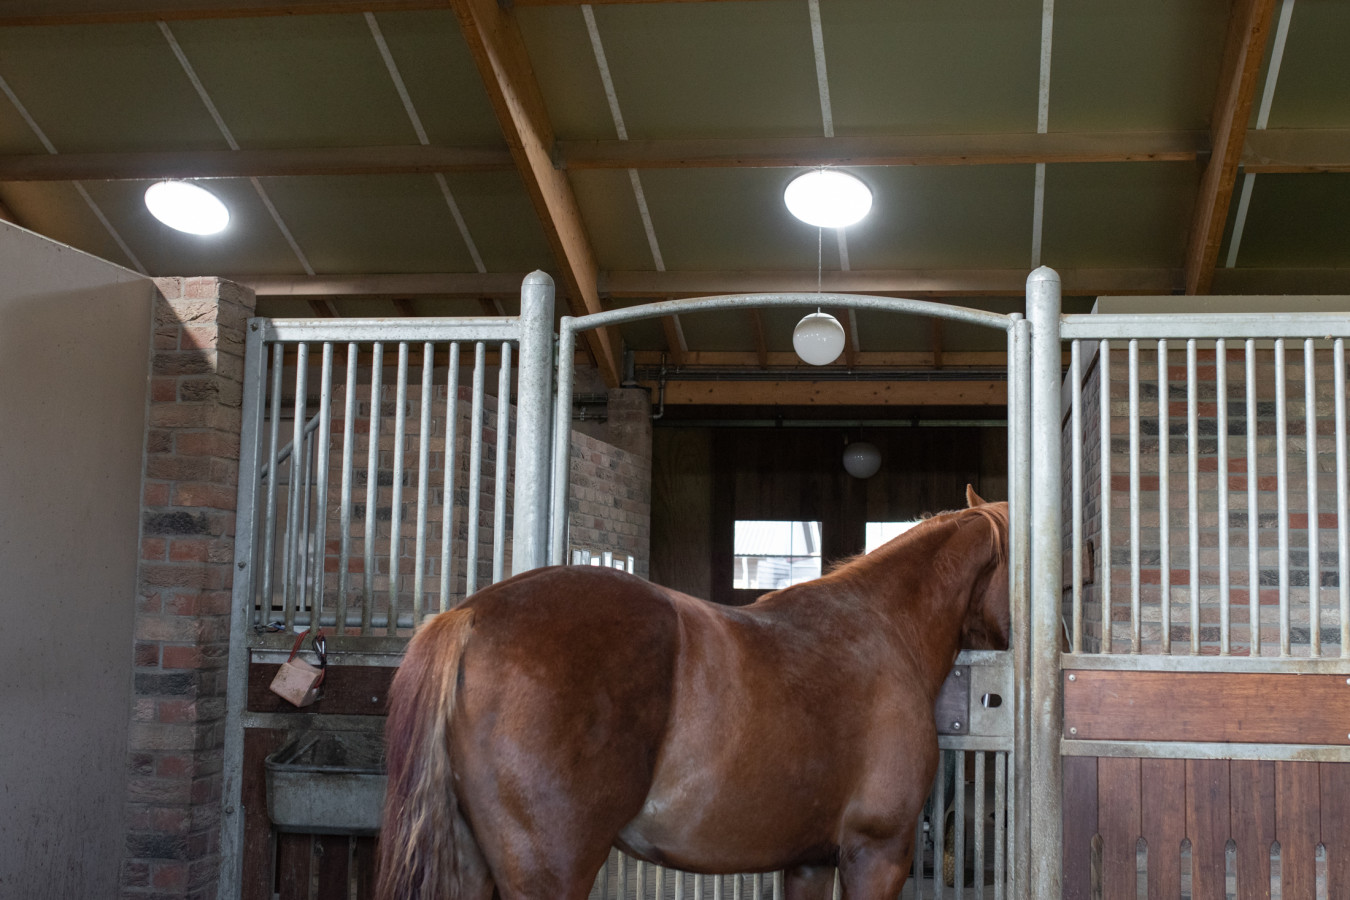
169, 876
146, 654
188, 550
154, 549
197, 494
156, 494
176, 711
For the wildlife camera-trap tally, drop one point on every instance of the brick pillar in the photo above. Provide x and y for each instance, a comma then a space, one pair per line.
183, 590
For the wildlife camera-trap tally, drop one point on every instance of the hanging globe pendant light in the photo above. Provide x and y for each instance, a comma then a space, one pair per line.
818, 338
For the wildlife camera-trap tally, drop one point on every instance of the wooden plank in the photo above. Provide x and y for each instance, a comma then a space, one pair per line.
1080, 825
157, 164
833, 393
363, 863
676, 348
1208, 825
1298, 825
917, 360
1297, 150
332, 853
1163, 822
1252, 824
1118, 819
1247, 30
259, 851
347, 690
1207, 706
1022, 148
295, 856
1336, 826
495, 42
761, 340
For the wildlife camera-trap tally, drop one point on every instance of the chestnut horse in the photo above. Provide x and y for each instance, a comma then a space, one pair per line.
570, 709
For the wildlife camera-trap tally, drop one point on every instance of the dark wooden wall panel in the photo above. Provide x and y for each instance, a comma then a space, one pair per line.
1163, 819
1252, 823
346, 690
1080, 825
1207, 825
1336, 826
259, 847
682, 491
1118, 818
1298, 824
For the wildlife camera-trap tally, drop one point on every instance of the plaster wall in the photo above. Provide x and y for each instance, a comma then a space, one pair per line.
74, 352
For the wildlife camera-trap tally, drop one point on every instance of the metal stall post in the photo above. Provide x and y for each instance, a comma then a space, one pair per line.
1019, 495
1045, 800
533, 424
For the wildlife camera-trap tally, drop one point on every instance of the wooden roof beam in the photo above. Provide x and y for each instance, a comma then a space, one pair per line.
891, 150
676, 347
1247, 31
498, 49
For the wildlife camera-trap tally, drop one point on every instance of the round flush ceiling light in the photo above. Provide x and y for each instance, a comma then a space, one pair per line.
828, 198
818, 339
186, 207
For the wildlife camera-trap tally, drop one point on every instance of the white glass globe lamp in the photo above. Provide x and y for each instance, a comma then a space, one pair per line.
862, 459
818, 339
828, 198
186, 207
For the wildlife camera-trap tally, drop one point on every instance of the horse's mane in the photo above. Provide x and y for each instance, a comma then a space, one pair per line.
996, 514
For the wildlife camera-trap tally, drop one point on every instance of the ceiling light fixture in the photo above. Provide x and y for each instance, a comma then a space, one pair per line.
828, 198
186, 207
818, 339
862, 459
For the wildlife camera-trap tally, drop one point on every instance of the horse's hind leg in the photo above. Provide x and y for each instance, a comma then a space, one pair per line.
876, 870
809, 883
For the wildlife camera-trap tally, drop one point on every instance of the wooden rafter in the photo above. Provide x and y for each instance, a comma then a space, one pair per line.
849, 320
82, 12
404, 307
876, 359
500, 284
251, 163
838, 393
676, 348
893, 150
1246, 44
935, 334
761, 340
322, 307
1290, 150
499, 51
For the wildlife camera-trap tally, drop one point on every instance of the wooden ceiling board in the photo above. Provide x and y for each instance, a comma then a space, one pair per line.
299, 81
1118, 215
56, 211
1136, 65
501, 221
945, 217
1313, 88
719, 330
251, 242
613, 222
441, 78
970, 66
734, 219
712, 69
1296, 221
102, 89
371, 224
564, 65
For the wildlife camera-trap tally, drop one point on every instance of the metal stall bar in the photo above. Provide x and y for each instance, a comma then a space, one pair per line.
1193, 490
270, 511
1221, 411
562, 443
290, 566
1164, 501
396, 512
321, 479
1135, 620
530, 516
475, 470
1076, 477
372, 484
1342, 495
1045, 799
1253, 550
1282, 490
500, 477
448, 491
423, 484
345, 495
1104, 482
1314, 555
1019, 574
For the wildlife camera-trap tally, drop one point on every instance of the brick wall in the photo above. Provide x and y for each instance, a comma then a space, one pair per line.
1241, 527
183, 590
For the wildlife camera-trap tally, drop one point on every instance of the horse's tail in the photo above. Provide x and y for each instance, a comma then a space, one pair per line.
423, 838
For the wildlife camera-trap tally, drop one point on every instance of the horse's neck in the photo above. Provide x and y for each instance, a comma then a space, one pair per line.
927, 603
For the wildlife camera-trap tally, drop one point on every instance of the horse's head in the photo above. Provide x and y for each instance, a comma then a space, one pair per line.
987, 621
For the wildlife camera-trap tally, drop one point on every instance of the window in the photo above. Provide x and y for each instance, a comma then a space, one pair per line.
770, 555
879, 533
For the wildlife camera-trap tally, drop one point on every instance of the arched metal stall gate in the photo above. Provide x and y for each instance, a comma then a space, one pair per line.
372, 523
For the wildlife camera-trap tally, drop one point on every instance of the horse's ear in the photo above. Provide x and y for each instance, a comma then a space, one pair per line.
973, 499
